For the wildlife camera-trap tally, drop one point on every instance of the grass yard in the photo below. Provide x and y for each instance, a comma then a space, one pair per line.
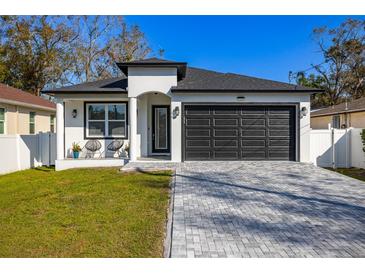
357, 173
83, 213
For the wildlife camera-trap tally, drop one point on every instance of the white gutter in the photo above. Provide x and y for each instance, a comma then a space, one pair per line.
338, 112
17, 103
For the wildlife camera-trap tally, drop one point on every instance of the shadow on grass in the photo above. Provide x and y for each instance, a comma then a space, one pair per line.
155, 172
45, 169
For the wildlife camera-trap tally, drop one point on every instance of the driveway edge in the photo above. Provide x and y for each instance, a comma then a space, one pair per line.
168, 236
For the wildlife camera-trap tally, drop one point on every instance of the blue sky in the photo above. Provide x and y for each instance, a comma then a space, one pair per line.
261, 46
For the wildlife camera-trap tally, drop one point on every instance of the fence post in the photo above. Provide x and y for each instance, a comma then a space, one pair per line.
17, 139
40, 149
49, 149
333, 148
348, 147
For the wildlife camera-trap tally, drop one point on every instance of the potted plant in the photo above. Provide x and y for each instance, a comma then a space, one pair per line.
76, 150
126, 150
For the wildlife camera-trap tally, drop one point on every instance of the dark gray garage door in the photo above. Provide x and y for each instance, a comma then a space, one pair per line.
237, 132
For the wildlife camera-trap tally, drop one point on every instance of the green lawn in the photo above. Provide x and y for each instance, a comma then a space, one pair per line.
83, 213
357, 173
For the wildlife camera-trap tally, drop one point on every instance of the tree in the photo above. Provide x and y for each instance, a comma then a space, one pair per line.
312, 81
342, 72
38, 52
103, 41
35, 51
130, 44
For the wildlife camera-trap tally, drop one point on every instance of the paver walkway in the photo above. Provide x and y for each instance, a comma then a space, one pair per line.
266, 209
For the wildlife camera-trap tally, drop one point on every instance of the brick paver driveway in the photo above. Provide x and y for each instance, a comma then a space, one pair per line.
266, 209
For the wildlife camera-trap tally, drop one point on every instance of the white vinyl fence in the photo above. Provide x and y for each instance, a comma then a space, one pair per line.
337, 148
329, 147
18, 152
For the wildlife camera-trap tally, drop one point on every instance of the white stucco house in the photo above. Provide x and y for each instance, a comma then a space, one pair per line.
169, 111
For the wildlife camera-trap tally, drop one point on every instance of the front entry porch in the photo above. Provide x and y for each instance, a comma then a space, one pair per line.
150, 130
144, 124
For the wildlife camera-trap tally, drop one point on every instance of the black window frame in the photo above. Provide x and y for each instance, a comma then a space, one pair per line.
106, 137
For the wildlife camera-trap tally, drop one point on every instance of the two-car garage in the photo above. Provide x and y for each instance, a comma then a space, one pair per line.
240, 132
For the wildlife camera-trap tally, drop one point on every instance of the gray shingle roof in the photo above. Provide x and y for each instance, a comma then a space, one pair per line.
352, 106
194, 80
111, 85
206, 80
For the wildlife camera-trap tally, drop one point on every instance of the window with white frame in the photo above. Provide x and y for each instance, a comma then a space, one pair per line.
2, 120
106, 120
52, 123
32, 122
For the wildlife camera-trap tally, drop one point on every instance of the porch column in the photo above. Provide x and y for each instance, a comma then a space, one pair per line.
60, 130
133, 128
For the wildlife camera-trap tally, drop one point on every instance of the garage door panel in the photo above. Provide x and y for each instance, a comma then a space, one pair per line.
198, 143
193, 132
226, 143
253, 133
279, 111
198, 155
279, 154
239, 133
204, 110
279, 122
226, 155
253, 143
253, 122
225, 122
200, 122
278, 133
225, 132
226, 110
279, 143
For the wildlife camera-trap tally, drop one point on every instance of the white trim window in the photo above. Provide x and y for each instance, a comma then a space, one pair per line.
2, 120
32, 115
51, 123
106, 120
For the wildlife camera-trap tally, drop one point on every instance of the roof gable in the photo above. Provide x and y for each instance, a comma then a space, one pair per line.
154, 62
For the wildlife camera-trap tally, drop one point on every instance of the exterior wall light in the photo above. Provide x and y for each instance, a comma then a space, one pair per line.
303, 112
74, 113
175, 112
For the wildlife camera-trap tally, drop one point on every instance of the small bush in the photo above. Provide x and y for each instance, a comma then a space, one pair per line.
363, 139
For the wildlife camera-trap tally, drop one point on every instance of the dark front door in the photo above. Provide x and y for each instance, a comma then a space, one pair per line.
239, 132
160, 129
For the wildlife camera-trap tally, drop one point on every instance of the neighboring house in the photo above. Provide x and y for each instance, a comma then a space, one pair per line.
344, 115
24, 113
187, 114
